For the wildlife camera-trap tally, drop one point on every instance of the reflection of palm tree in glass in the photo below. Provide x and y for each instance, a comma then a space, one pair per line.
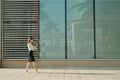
84, 7
51, 30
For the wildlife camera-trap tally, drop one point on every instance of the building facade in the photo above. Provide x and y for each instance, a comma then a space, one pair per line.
68, 32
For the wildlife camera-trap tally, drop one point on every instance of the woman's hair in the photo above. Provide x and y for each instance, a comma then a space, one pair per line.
29, 39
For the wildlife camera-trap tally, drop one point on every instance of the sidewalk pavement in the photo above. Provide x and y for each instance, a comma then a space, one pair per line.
62, 73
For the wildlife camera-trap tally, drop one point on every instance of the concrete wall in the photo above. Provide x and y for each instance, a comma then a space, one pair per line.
64, 63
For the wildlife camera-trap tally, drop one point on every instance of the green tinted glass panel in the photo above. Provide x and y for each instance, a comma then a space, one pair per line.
80, 39
108, 29
52, 29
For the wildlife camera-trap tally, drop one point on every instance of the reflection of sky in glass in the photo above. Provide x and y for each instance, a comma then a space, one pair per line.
55, 11
107, 10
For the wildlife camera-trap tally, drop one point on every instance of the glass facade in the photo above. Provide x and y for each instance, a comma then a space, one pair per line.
64, 29
80, 39
52, 29
107, 29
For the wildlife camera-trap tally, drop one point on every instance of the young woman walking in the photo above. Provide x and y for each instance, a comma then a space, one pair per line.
31, 46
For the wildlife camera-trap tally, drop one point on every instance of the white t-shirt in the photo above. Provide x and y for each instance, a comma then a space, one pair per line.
30, 46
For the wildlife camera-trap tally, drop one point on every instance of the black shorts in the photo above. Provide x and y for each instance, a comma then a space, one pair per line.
31, 57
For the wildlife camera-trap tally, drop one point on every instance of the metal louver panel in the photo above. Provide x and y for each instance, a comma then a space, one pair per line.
20, 20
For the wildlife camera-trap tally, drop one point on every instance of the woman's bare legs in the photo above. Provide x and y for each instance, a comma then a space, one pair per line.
35, 67
27, 66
